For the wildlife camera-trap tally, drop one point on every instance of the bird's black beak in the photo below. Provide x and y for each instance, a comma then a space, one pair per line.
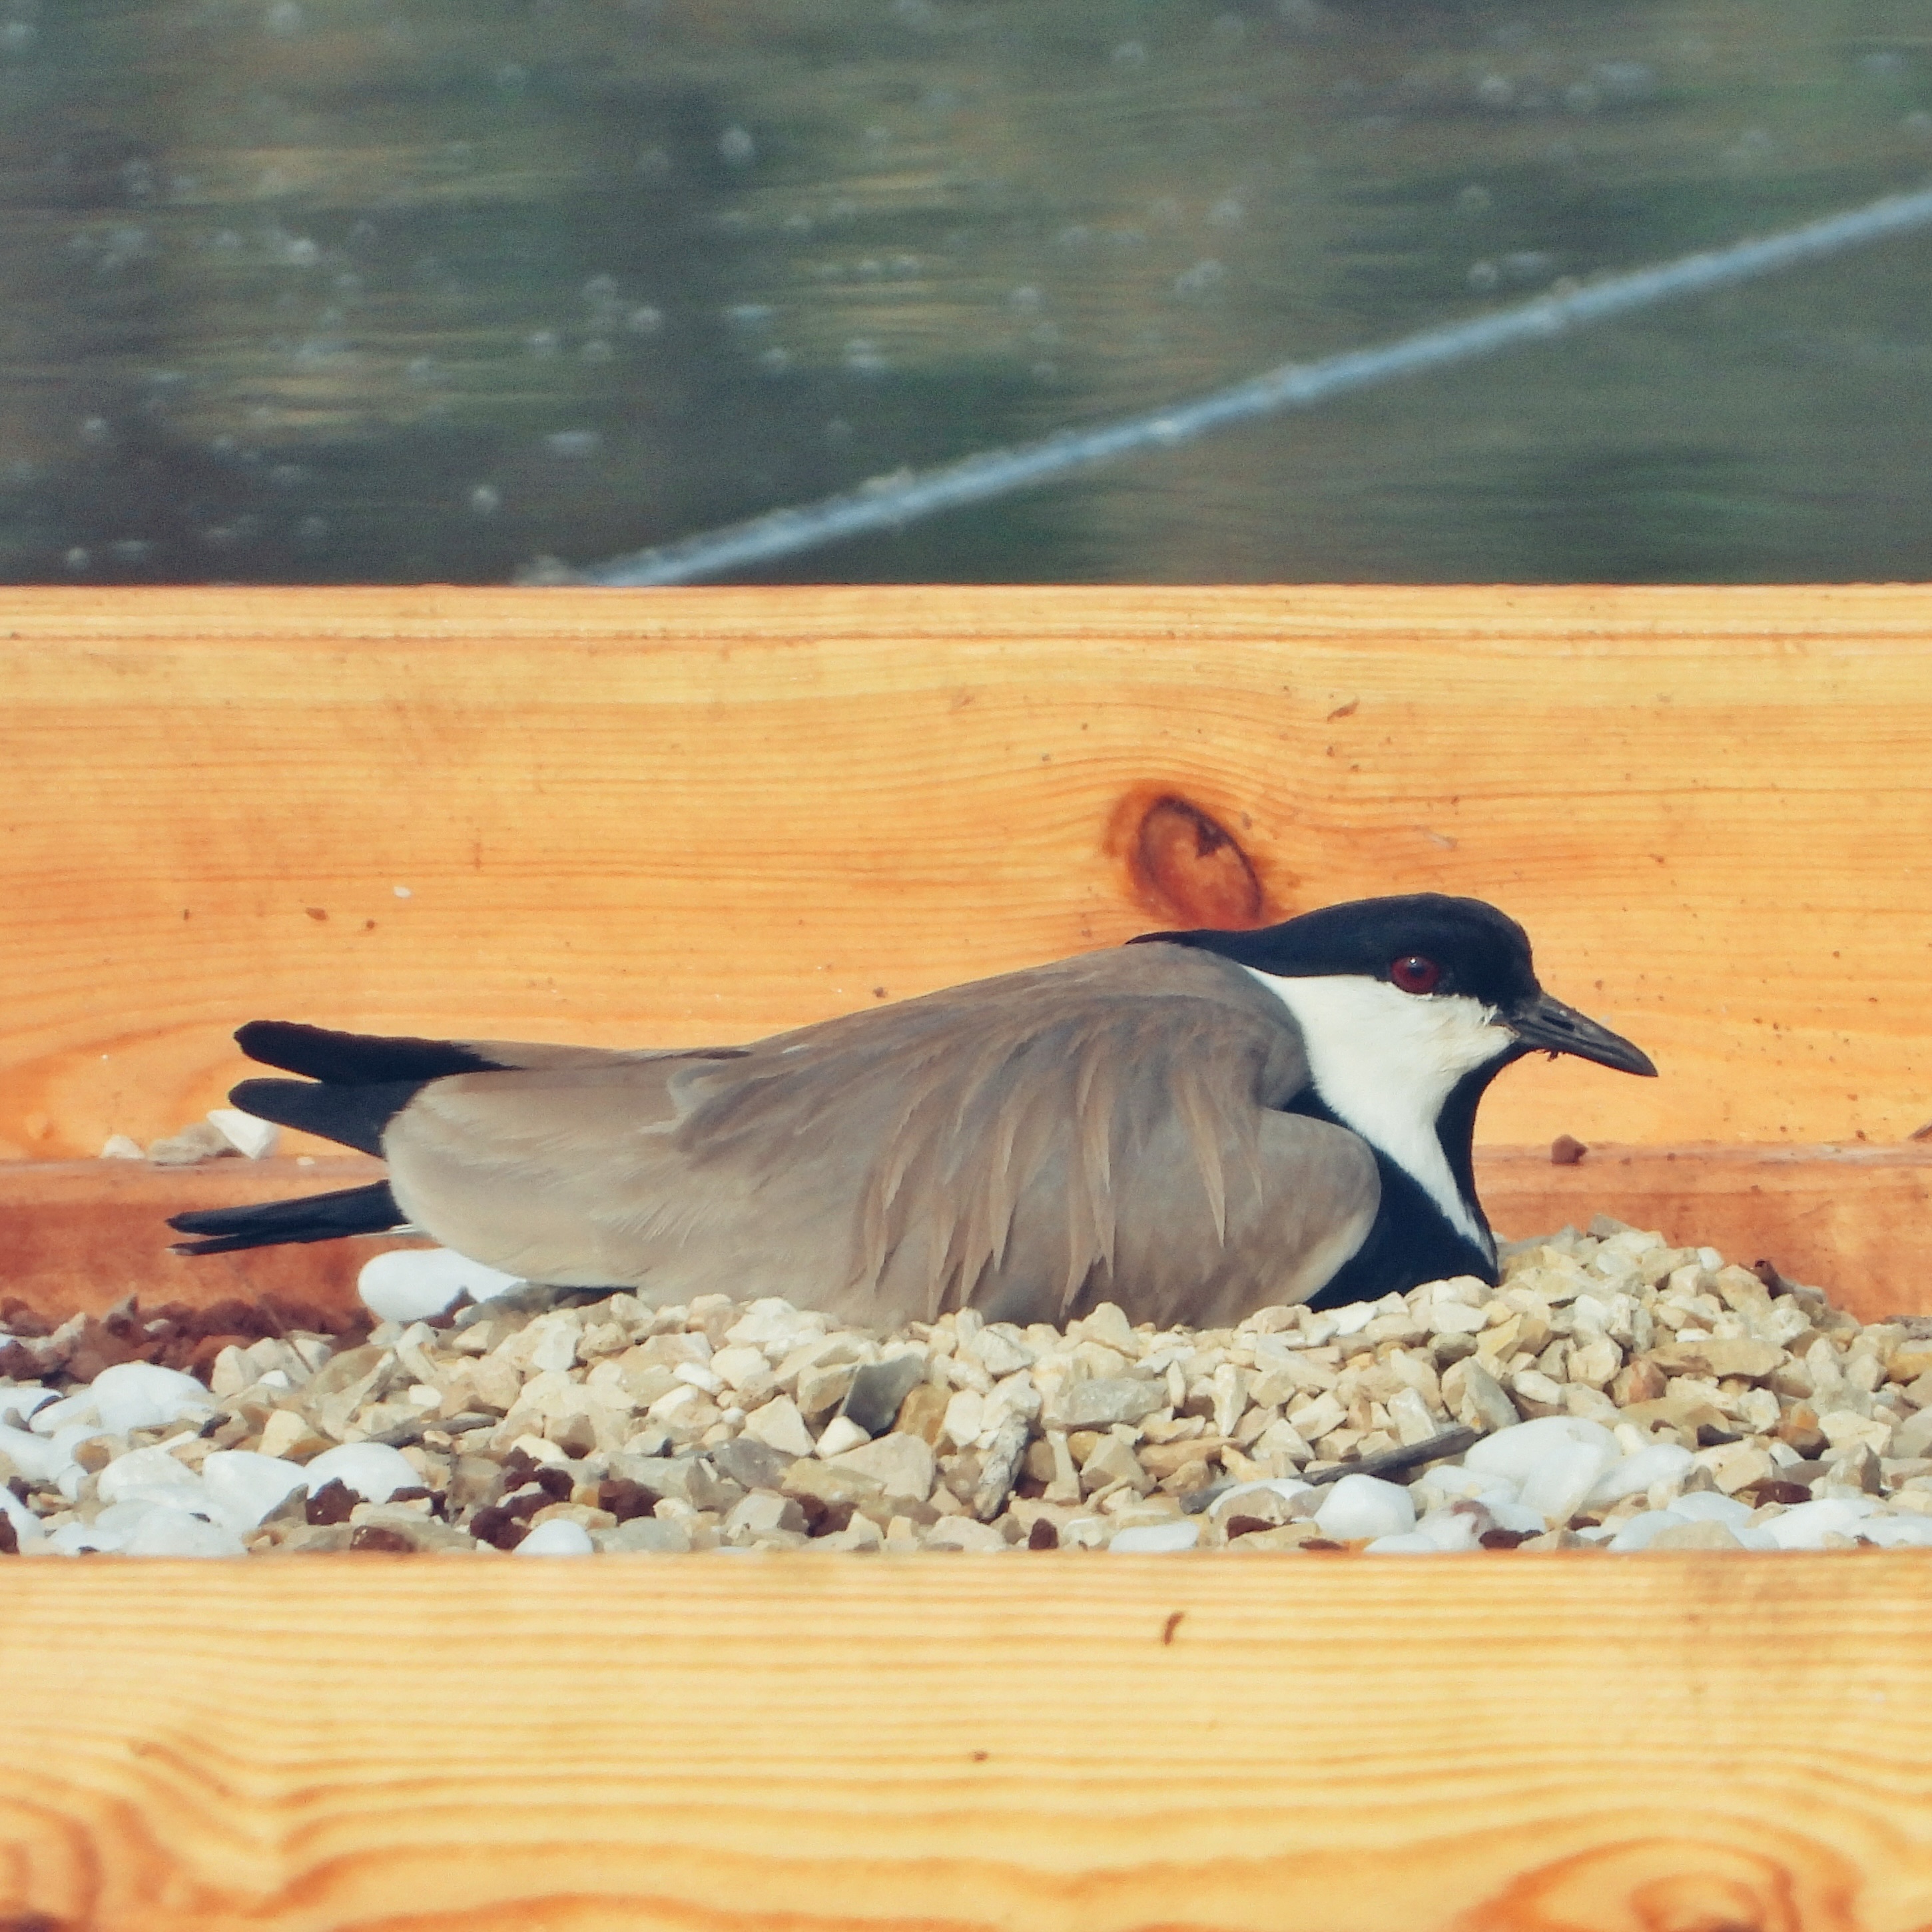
1549, 1024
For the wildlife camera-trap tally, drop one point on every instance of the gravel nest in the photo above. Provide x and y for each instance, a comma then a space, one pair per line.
1614, 1393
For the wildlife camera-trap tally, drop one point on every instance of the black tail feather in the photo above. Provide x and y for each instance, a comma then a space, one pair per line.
319, 1217
358, 1084
356, 1059
355, 1116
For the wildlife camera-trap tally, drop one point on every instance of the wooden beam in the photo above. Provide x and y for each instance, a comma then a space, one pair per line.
1276, 1744
680, 816
1851, 1220
78, 1235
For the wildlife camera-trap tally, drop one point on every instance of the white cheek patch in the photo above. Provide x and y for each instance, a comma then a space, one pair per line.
1384, 1061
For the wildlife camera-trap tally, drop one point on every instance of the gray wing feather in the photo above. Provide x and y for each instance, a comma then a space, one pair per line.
1097, 1129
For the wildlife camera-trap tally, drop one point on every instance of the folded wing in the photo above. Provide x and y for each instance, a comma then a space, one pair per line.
1105, 1128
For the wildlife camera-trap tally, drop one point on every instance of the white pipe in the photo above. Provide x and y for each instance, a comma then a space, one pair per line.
890, 502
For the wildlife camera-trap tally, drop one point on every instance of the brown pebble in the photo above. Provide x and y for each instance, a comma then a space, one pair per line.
1245, 1525
1774, 1491
1640, 1380
1566, 1151
526, 1501
1505, 1539
922, 1413
625, 1499
1043, 1535
334, 1502
824, 1517
375, 1536
1798, 1427
10, 1537
498, 1528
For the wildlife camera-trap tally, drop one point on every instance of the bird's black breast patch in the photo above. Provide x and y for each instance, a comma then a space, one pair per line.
1411, 1241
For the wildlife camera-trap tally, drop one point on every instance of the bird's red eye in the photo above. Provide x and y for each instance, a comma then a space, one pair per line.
1415, 974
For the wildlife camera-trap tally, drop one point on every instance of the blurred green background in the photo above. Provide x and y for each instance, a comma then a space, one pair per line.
392, 290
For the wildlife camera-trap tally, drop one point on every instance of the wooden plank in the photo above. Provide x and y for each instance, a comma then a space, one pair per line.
1851, 1220
1265, 1744
77, 1235
691, 815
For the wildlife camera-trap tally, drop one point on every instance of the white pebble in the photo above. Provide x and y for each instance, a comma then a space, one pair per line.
778, 1425
1144, 1538
142, 1395
1405, 1543
373, 1470
841, 1433
965, 1417
1805, 1525
244, 1133
1359, 1506
26, 1525
1891, 1532
1707, 1506
559, 1537
119, 1521
163, 1532
154, 1474
18, 1403
1557, 1461
1456, 1479
38, 1460
72, 1539
738, 1365
1508, 1515
412, 1284
244, 1486
772, 1324
1643, 1529
555, 1350
1455, 1528
1351, 1318
1634, 1475
51, 1418
120, 1146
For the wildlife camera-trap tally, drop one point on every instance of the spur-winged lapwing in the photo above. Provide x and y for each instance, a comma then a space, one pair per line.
1193, 1126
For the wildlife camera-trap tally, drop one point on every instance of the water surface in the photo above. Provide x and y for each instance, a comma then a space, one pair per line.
328, 290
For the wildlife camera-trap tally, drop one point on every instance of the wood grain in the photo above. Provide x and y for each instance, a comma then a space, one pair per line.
1659, 1743
77, 1235
679, 816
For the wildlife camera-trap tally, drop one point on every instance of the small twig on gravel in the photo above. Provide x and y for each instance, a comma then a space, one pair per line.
1449, 1442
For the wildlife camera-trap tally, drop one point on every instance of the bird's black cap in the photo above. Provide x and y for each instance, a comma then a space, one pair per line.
1474, 950
1481, 951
